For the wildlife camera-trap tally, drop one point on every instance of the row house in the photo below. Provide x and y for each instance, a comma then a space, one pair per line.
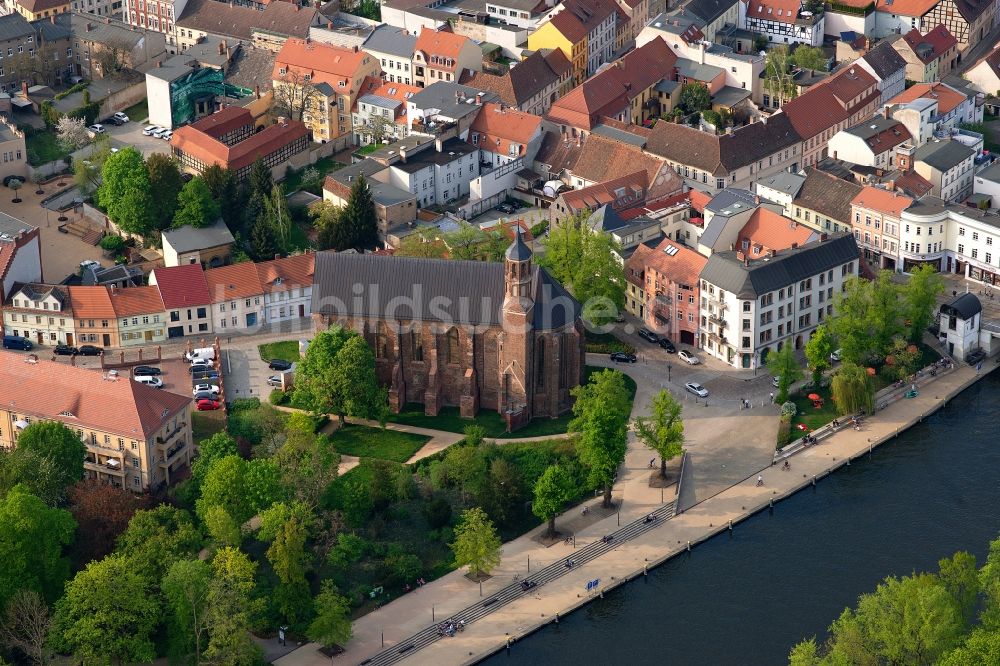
948, 166
985, 74
823, 202
532, 85
379, 114
750, 307
710, 16
954, 106
441, 55
25, 44
664, 289
713, 162
840, 102
320, 83
876, 219
142, 318
237, 298
102, 42
870, 143
393, 48
186, 299
625, 91
94, 314
929, 57
13, 151
136, 436
782, 21
603, 159
584, 30
437, 173
42, 313
966, 240
887, 67
266, 26
287, 286
967, 20
504, 135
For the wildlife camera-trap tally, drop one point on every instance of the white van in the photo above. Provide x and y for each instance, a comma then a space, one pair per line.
149, 380
207, 353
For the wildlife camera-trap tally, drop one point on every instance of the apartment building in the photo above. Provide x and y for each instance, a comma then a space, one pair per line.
438, 173
42, 48
321, 82
750, 307
186, 299
142, 318
929, 57
948, 166
13, 151
34, 10
504, 135
380, 111
887, 67
441, 55
532, 85
394, 206
584, 30
96, 321
870, 143
782, 21
876, 221
970, 238
103, 46
41, 313
237, 298
664, 289
393, 48
954, 106
137, 437
823, 202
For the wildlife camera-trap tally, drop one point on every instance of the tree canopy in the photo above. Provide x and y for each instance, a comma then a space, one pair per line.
195, 205
53, 440
332, 625
818, 351
164, 187
695, 97
477, 543
355, 226
242, 487
783, 365
337, 376
663, 431
552, 490
125, 192
601, 415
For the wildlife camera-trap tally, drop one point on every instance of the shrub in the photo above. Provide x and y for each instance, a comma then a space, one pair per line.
784, 431
113, 243
540, 228
788, 410
437, 512
277, 397
474, 434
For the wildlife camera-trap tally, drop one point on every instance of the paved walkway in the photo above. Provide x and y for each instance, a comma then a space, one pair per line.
709, 515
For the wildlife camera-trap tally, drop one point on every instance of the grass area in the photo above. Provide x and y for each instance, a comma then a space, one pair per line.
286, 350
43, 147
810, 416
367, 150
293, 180
206, 424
138, 112
449, 419
605, 343
365, 442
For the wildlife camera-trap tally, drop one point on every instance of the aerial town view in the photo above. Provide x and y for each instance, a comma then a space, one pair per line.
444, 332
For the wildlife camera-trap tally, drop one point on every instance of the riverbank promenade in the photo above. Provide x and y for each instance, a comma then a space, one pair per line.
391, 626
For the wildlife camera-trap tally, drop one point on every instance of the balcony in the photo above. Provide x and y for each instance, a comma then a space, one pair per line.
718, 302
169, 456
717, 319
718, 337
169, 436
106, 466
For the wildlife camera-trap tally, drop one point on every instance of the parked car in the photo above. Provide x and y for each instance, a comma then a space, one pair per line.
151, 130
506, 208
89, 263
648, 335
201, 352
65, 350
274, 380
279, 364
89, 350
149, 380
113, 121
835, 356
202, 376
622, 357
208, 405
166, 134
974, 357
158, 132
150, 370
205, 388
120, 117
668, 345
200, 363
204, 395
688, 357
697, 389
97, 128
17, 342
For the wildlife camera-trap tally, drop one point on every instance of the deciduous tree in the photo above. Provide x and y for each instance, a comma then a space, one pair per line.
662, 432
332, 625
289, 559
818, 351
53, 440
695, 97
783, 365
853, 389
231, 609
72, 133
778, 80
25, 626
165, 185
278, 217
109, 613
102, 512
157, 538
809, 57
195, 206
476, 542
337, 376
919, 299
552, 490
221, 526
185, 592
125, 192
243, 487
39, 475
601, 415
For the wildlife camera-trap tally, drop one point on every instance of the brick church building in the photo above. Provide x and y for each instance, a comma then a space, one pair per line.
470, 334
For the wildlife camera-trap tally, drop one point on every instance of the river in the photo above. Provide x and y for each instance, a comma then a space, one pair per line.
783, 576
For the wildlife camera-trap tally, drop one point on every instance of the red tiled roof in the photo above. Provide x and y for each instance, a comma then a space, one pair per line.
885, 202
9, 249
780, 11
699, 200
441, 43
224, 121
236, 281
579, 18
829, 102
136, 301
767, 230
82, 398
182, 286
496, 128
373, 85
286, 273
91, 303
913, 184
323, 63
682, 267
947, 97
593, 197
212, 151
905, 7
939, 39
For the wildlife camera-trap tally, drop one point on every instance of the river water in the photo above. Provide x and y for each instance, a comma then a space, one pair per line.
781, 577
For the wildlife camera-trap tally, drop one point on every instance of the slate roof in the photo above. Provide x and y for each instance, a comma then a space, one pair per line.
463, 292
880, 133
524, 80
385, 194
442, 95
251, 67
828, 195
726, 271
784, 182
965, 306
943, 155
708, 10
392, 40
222, 18
884, 60
14, 26
559, 153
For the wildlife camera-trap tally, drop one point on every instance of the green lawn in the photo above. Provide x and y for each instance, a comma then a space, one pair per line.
44, 147
293, 181
449, 419
286, 350
138, 112
367, 150
365, 442
809, 415
605, 343
206, 424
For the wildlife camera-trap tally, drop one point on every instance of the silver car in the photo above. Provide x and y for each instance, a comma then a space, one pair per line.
697, 389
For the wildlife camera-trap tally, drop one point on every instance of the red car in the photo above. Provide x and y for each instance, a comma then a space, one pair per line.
208, 405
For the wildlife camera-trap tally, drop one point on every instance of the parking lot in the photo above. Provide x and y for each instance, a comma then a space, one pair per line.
246, 373
129, 134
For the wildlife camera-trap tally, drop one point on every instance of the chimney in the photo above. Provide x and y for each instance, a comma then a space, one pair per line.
89, 27
256, 90
52, 19
823, 236
739, 254
891, 186
479, 99
438, 144
222, 47
355, 48
794, 245
329, 25
24, 89
281, 120
772, 253
159, 63
277, 255
701, 53
756, 200
885, 112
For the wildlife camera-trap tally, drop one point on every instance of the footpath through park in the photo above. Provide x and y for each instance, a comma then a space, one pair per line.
393, 627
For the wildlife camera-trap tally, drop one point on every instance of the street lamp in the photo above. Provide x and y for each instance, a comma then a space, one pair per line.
668, 372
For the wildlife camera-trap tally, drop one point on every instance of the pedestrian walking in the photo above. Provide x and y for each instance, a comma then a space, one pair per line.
760, 480
651, 462
771, 394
